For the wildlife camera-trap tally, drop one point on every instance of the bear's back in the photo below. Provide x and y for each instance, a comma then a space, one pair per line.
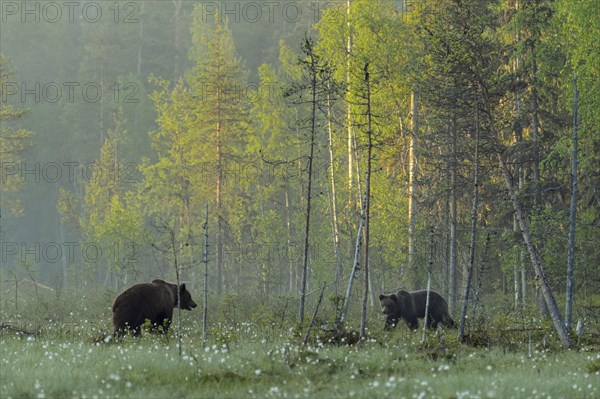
155, 295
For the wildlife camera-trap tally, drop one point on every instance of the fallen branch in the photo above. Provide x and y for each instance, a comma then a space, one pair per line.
16, 330
314, 316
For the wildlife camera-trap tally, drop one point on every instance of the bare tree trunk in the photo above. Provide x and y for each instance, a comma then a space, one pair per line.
446, 237
205, 312
313, 127
367, 205
539, 272
65, 274
174, 247
348, 107
412, 184
469, 276
314, 317
355, 265
177, 35
523, 275
288, 222
573, 211
477, 298
429, 273
520, 275
140, 40
453, 203
516, 270
16, 289
219, 180
518, 267
535, 128
333, 198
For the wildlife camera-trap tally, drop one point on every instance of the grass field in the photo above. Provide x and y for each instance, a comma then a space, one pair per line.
256, 352
151, 367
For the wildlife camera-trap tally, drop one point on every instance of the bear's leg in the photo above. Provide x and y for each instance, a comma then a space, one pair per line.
119, 332
448, 321
167, 320
158, 324
163, 320
121, 329
137, 331
432, 322
437, 317
412, 323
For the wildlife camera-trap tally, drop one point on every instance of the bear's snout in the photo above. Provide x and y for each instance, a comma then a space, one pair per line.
191, 305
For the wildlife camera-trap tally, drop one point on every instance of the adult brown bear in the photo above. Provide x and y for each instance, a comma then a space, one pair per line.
411, 305
148, 301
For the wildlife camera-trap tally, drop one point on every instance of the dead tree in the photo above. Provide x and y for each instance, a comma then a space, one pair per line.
314, 317
467, 287
316, 75
205, 312
367, 205
355, 265
429, 272
537, 266
479, 280
573, 212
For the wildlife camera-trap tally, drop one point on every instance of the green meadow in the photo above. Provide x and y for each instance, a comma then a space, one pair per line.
259, 354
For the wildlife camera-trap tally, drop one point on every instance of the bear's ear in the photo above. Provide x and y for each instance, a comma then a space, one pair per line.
182, 287
381, 296
394, 297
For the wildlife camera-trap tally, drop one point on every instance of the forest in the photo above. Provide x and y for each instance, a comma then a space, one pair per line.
290, 161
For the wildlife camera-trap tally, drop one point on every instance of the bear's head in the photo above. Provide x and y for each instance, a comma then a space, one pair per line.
393, 306
187, 302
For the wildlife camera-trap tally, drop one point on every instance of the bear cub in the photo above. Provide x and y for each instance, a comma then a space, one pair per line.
411, 305
148, 301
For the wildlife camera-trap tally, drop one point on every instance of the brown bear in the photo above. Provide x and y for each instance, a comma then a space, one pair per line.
411, 305
148, 301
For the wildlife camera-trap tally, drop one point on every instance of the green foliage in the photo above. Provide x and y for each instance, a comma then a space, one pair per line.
207, 123
13, 140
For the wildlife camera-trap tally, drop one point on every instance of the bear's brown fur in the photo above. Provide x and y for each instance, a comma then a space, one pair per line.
411, 305
148, 301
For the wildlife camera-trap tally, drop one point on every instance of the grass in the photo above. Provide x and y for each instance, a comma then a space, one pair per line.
257, 354
151, 367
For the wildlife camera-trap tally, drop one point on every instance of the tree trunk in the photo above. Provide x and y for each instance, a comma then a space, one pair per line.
446, 236
535, 128
517, 267
363, 323
333, 198
313, 76
174, 247
479, 280
219, 170
177, 36
140, 41
412, 185
314, 317
573, 210
429, 273
355, 265
453, 203
205, 312
348, 108
288, 223
469, 274
539, 272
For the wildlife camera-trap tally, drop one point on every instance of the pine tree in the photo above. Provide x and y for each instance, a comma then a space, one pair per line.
218, 84
13, 141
